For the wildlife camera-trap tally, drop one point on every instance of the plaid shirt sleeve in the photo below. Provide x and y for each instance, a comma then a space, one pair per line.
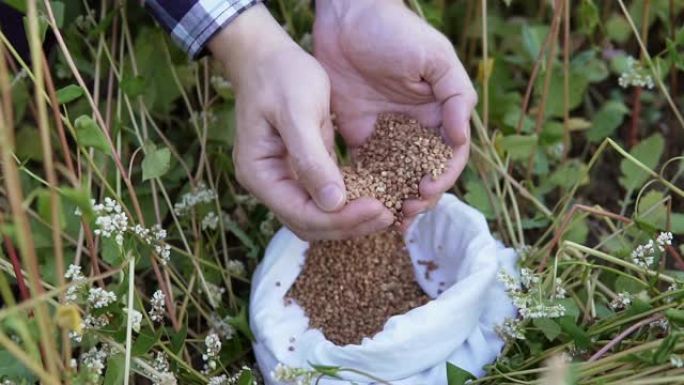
192, 23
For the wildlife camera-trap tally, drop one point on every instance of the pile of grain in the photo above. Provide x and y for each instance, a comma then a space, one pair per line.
390, 165
350, 288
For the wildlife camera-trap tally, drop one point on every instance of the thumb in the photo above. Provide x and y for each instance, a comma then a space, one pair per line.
313, 165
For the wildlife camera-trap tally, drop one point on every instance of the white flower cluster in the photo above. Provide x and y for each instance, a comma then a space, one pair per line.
664, 239
191, 199
635, 75
111, 220
236, 268
218, 380
294, 376
210, 221
78, 282
676, 361
94, 361
670, 289
232, 380
644, 255
157, 307
213, 348
136, 319
99, 297
528, 297
268, 226
161, 365
663, 324
621, 301
220, 83
215, 294
560, 291
221, 327
511, 329
91, 322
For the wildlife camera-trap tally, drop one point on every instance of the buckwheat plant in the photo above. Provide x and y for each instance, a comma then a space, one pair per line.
635, 75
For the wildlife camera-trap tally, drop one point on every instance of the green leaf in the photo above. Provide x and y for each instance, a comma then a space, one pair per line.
548, 326
624, 284
69, 93
19, 5
648, 152
178, 338
156, 163
533, 38
652, 210
607, 120
58, 12
11, 368
133, 86
330, 371
115, 370
89, 134
519, 147
246, 377
111, 252
662, 354
241, 323
588, 16
456, 375
476, 195
145, 341
577, 334
618, 29
675, 316
80, 198
677, 222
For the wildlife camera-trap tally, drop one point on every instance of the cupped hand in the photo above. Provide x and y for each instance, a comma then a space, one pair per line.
284, 137
381, 57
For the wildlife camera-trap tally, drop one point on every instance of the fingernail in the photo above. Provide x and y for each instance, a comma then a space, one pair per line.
330, 197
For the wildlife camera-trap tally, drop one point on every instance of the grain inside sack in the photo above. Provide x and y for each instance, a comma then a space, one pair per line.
349, 288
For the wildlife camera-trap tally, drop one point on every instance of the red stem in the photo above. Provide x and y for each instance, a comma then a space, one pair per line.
23, 290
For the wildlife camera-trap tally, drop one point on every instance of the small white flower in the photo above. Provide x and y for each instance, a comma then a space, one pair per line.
676, 361
91, 322
210, 221
191, 199
621, 301
136, 319
511, 329
218, 380
215, 294
661, 324
635, 75
99, 298
290, 375
236, 268
111, 221
157, 309
73, 364
161, 365
221, 326
213, 345
560, 290
94, 360
664, 239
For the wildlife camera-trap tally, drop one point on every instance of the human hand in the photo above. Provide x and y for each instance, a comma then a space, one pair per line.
284, 134
381, 57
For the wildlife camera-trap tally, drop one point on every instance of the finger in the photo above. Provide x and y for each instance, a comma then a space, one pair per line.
313, 164
371, 226
430, 188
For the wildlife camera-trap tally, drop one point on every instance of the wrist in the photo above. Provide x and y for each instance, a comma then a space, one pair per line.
339, 6
248, 40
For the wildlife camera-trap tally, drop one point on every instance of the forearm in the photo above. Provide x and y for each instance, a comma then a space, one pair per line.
248, 40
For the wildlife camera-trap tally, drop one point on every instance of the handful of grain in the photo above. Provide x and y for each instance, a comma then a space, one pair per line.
350, 288
390, 165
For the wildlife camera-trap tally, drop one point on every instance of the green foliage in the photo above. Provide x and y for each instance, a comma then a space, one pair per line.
156, 163
89, 134
456, 375
648, 153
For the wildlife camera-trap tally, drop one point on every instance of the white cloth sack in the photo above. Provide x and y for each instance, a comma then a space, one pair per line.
457, 326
